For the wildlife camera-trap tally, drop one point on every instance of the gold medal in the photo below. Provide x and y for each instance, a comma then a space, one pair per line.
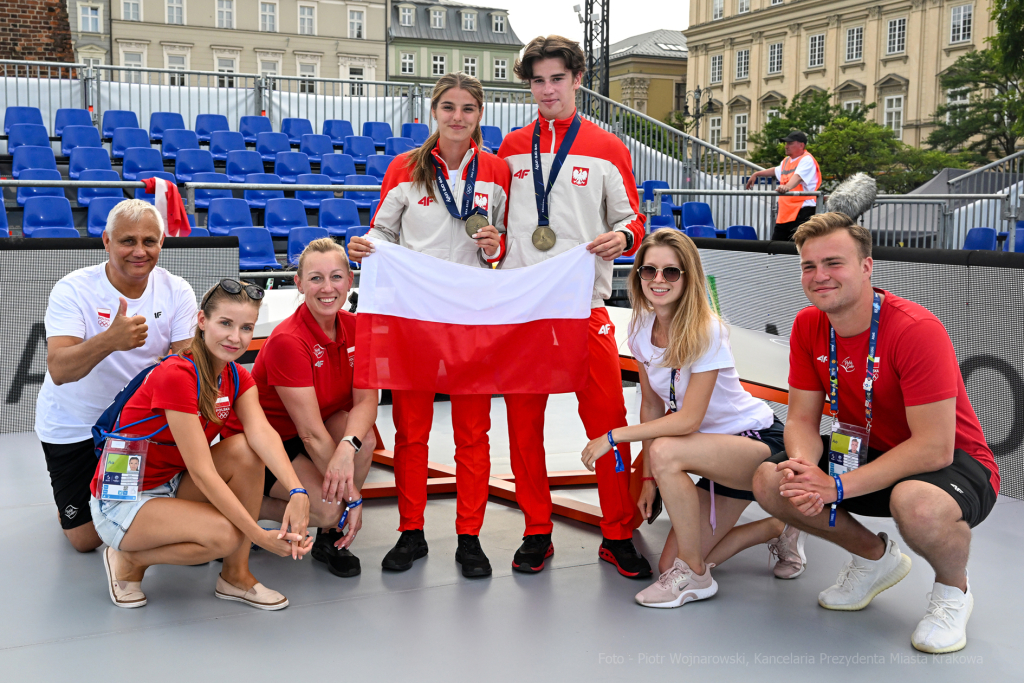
475, 222
543, 238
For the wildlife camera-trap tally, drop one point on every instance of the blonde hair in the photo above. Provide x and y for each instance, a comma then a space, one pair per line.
689, 333
324, 245
822, 224
420, 160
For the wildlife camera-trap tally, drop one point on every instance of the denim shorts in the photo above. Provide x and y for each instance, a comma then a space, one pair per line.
113, 517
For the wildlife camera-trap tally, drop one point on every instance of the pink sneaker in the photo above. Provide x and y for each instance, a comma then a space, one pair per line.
788, 550
678, 586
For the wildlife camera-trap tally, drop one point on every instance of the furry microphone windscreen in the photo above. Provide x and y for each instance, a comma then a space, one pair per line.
854, 196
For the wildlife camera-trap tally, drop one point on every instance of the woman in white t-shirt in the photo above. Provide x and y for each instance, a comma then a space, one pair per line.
695, 418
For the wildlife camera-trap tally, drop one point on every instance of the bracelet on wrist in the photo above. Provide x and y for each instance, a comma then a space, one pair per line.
649, 479
298, 490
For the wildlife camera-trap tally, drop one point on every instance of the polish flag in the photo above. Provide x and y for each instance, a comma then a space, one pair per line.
170, 205
432, 325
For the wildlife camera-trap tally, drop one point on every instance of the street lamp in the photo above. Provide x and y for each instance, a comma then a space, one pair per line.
700, 107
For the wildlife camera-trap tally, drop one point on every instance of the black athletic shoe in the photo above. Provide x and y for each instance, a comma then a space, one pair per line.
323, 546
411, 546
531, 554
471, 556
340, 561
623, 554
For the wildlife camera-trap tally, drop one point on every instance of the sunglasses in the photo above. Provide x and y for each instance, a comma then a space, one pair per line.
671, 274
235, 287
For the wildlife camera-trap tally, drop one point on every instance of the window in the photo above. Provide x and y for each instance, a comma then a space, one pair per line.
437, 18
176, 11
956, 100
816, 51
775, 58
500, 69
742, 6
438, 67
717, 9
498, 23
851, 105
268, 16
225, 65
894, 114
176, 63
132, 59
772, 114
469, 21
269, 67
897, 36
680, 96
355, 23
742, 64
739, 139
90, 18
776, 2
225, 13
715, 130
469, 66
408, 63
405, 15
355, 73
855, 44
960, 29
307, 71
307, 20
716, 68
131, 10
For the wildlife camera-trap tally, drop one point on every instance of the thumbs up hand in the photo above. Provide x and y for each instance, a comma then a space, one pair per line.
127, 333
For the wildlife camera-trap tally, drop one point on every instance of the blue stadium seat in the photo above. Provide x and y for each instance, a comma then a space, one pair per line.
159, 121
667, 205
140, 193
16, 115
379, 131
255, 249
312, 198
251, 126
224, 141
697, 213
33, 134
63, 233
30, 156
295, 128
192, 161
5, 229
373, 209
124, 138
226, 213
87, 158
377, 165
980, 238
192, 223
290, 165
204, 197
79, 136
257, 199
362, 198
513, 129
86, 195
741, 232
359, 147
1018, 242
396, 146
46, 212
298, 238
281, 215
492, 137
658, 221
337, 130
198, 232
98, 210
175, 139
139, 159
208, 124
701, 231
315, 146
355, 231
70, 117
269, 144
241, 163
25, 193
337, 166
338, 215
417, 132
118, 118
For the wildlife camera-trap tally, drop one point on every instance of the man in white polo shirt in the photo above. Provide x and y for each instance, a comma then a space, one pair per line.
104, 324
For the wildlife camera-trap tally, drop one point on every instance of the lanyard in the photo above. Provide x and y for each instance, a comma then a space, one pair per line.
833, 366
539, 190
468, 193
672, 407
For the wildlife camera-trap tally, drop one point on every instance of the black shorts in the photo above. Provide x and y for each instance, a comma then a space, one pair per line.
784, 231
294, 448
772, 437
966, 480
72, 467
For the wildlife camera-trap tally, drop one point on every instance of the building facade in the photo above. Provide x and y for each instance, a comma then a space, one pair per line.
312, 38
37, 30
90, 30
754, 53
430, 39
648, 72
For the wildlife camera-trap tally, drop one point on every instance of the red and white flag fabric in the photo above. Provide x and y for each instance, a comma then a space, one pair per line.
431, 325
170, 206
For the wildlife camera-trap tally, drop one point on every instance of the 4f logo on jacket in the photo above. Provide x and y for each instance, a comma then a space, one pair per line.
605, 329
579, 176
425, 201
521, 174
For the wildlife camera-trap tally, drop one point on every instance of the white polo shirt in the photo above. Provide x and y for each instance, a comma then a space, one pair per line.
83, 304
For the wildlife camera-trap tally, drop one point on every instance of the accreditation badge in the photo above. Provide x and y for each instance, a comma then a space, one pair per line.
123, 465
848, 448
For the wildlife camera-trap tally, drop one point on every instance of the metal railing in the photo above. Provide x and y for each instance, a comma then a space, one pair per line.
994, 177
190, 189
47, 85
755, 208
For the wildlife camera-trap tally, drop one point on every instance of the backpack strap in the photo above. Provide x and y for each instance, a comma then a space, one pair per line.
234, 380
118, 426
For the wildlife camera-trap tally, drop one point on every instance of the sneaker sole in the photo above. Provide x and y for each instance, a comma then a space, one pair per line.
959, 645
803, 559
110, 588
344, 575
609, 556
890, 580
403, 567
685, 597
257, 605
475, 573
529, 569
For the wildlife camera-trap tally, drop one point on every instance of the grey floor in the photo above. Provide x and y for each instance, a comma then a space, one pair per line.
575, 621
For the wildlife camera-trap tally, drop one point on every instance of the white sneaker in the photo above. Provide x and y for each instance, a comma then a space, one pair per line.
862, 579
788, 549
944, 627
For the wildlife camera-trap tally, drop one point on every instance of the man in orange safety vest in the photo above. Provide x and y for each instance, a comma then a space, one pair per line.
798, 172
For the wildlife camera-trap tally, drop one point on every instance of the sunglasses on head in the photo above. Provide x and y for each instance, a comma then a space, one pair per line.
671, 274
235, 287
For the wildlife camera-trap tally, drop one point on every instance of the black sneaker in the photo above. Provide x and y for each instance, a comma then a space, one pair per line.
323, 546
531, 554
340, 561
623, 554
411, 546
471, 556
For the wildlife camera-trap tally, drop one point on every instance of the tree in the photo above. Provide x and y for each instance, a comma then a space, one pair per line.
1009, 38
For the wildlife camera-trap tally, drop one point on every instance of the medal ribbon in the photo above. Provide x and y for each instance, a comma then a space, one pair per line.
468, 192
833, 365
539, 190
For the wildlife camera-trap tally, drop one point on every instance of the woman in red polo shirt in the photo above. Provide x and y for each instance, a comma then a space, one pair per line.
432, 198
199, 502
304, 376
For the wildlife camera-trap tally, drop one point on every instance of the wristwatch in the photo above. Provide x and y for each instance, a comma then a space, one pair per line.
629, 239
356, 443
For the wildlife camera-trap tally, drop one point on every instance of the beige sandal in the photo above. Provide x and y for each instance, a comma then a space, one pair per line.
126, 594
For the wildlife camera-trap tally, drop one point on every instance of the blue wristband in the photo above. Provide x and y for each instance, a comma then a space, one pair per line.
619, 466
839, 499
344, 514
299, 490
